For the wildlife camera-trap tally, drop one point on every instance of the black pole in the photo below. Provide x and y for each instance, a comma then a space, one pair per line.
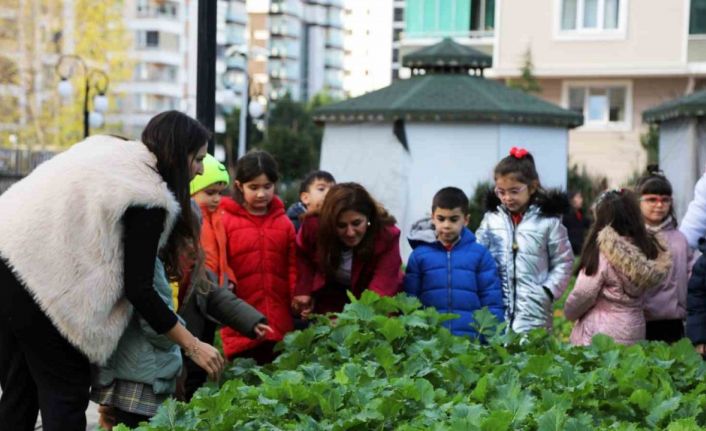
86, 95
206, 67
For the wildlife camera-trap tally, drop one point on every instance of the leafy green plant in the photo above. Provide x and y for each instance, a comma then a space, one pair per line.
386, 363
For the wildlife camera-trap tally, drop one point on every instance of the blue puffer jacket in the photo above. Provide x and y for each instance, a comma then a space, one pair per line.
460, 281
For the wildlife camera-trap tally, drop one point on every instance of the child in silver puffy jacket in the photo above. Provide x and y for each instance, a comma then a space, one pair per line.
523, 231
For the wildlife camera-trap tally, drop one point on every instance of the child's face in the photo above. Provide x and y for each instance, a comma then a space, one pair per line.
257, 193
448, 224
314, 197
655, 208
512, 193
210, 197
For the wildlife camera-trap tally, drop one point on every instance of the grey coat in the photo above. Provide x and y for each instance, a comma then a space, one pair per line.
534, 258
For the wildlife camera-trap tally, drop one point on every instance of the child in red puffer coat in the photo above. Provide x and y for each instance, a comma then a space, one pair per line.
261, 252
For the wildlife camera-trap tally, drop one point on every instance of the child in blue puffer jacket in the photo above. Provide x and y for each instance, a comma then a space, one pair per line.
448, 269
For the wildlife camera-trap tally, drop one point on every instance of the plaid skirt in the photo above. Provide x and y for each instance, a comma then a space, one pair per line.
129, 396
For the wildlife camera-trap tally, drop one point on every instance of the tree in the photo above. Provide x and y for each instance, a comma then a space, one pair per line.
527, 82
98, 34
650, 143
292, 138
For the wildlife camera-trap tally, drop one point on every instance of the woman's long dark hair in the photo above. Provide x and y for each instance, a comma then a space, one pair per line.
655, 183
341, 198
620, 210
174, 138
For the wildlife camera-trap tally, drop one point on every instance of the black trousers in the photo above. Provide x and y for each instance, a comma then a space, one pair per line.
669, 331
39, 369
131, 420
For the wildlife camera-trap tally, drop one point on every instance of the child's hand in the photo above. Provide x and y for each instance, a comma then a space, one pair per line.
262, 329
303, 304
106, 419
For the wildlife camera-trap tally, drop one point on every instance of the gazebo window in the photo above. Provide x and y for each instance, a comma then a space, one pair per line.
603, 106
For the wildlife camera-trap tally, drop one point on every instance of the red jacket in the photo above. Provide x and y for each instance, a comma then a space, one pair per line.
384, 270
262, 256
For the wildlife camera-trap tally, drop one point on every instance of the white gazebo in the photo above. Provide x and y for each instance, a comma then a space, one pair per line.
445, 126
682, 144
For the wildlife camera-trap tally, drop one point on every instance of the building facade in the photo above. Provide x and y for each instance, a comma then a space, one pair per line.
367, 46
607, 59
302, 42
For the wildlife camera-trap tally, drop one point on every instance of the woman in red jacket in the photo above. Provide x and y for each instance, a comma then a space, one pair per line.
260, 248
353, 245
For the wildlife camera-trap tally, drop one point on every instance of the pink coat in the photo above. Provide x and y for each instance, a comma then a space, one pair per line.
611, 301
668, 300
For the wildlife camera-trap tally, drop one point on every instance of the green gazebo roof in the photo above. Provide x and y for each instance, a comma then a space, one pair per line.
447, 53
692, 105
452, 97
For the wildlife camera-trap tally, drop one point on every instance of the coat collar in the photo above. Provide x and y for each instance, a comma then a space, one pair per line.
629, 260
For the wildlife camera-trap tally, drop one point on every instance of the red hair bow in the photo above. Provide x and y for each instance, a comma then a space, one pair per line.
518, 152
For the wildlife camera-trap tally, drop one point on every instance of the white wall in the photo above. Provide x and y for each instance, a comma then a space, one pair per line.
371, 155
548, 145
447, 154
681, 157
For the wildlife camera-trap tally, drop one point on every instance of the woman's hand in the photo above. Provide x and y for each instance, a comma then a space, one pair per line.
303, 304
700, 349
207, 357
262, 329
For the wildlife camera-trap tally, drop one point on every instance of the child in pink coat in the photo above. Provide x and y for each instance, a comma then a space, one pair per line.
620, 262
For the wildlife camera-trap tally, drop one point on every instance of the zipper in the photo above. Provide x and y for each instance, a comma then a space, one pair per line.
515, 248
448, 283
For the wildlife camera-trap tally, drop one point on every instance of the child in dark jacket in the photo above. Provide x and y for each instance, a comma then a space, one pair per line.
696, 302
311, 195
448, 269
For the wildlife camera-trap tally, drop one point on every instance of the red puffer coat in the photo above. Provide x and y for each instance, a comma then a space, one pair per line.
261, 252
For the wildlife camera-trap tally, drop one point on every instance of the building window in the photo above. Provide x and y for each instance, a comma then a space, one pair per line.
399, 14
591, 15
602, 106
148, 39
697, 17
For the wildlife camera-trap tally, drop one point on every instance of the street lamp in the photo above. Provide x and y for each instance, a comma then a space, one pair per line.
93, 79
254, 107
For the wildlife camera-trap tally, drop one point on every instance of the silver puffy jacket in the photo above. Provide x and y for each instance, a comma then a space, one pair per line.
534, 259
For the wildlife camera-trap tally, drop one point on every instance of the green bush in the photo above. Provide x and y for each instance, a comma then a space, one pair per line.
364, 370
476, 207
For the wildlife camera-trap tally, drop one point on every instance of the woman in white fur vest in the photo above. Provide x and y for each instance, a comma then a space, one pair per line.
79, 238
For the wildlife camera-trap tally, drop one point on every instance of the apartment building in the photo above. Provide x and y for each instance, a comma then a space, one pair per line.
607, 59
367, 45
164, 58
303, 45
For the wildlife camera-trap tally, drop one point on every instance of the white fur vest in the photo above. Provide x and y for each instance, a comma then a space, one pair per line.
61, 233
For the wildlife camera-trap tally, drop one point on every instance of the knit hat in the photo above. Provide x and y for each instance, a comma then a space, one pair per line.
213, 172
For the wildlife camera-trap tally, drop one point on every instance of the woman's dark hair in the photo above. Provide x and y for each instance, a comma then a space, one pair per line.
655, 183
251, 166
620, 210
339, 199
174, 138
521, 168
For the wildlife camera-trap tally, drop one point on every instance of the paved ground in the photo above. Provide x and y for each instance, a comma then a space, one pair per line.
91, 418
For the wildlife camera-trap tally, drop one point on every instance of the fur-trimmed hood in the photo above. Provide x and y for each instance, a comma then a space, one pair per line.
551, 202
641, 272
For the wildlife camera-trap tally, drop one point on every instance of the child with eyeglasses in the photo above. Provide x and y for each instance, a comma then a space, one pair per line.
522, 228
665, 305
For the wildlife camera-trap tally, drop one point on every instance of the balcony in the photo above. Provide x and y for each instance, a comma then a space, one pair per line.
168, 10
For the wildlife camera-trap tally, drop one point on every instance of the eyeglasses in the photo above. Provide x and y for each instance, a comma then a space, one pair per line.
513, 192
655, 199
